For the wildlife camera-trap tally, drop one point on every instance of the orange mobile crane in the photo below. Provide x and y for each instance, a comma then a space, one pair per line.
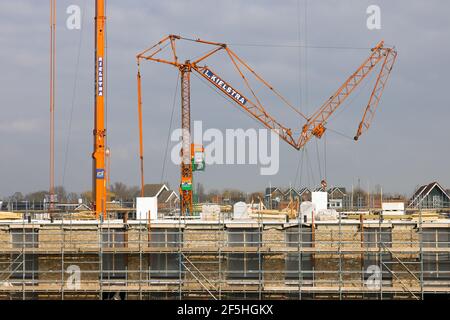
314, 126
99, 154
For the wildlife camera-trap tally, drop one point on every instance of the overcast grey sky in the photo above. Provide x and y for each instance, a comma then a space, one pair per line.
407, 145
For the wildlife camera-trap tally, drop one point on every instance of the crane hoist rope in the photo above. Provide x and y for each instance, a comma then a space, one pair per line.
315, 124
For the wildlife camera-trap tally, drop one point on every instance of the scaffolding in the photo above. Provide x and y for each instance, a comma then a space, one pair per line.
188, 258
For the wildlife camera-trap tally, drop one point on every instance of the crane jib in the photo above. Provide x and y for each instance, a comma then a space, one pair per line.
224, 86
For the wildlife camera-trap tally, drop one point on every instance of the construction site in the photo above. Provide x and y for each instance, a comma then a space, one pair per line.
311, 247
225, 258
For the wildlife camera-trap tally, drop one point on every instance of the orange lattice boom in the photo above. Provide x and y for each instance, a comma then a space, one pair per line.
315, 125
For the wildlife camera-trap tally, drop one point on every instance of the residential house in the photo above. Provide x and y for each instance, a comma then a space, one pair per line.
167, 199
338, 198
154, 190
273, 197
305, 194
276, 198
430, 196
319, 189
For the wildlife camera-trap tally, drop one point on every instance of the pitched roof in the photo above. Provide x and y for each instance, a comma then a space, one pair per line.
337, 189
166, 195
418, 192
288, 191
154, 190
271, 190
303, 190
82, 207
300, 191
424, 190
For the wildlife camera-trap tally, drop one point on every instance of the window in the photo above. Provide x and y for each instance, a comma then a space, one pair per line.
244, 265
436, 266
165, 265
24, 266
25, 238
293, 268
114, 264
443, 237
168, 238
335, 203
437, 202
372, 237
244, 237
429, 238
436, 237
113, 238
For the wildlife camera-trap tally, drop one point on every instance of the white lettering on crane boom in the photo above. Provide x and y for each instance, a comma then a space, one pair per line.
100, 76
224, 86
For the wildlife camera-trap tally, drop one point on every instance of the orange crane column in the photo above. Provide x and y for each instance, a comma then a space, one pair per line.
186, 205
99, 176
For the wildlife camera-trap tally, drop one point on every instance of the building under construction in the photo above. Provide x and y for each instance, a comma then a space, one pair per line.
121, 254
70, 256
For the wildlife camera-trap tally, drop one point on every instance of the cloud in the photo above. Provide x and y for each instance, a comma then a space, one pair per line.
410, 128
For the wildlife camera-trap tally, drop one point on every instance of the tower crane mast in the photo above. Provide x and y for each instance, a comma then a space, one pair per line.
315, 125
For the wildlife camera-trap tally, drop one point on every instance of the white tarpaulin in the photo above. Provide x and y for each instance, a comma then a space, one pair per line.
307, 209
210, 212
393, 208
146, 205
320, 200
240, 210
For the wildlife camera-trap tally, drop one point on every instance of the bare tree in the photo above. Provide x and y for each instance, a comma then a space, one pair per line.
87, 196
61, 193
200, 192
36, 196
133, 192
17, 196
359, 198
255, 196
233, 195
120, 190
73, 197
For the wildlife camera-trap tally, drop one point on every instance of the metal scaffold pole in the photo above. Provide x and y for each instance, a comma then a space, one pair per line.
421, 252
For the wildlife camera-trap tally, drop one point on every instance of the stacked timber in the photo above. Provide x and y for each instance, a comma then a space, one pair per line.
79, 215
264, 215
261, 213
292, 208
428, 216
223, 208
10, 216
